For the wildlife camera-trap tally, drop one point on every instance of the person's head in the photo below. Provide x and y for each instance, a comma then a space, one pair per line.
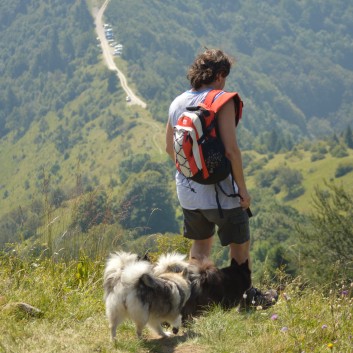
208, 67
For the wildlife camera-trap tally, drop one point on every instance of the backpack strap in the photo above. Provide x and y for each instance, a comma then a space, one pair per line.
235, 194
215, 99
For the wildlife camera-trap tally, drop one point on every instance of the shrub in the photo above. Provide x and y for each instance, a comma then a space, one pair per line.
95, 208
339, 151
343, 169
317, 156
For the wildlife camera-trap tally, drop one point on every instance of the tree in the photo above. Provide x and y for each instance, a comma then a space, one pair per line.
57, 196
132, 164
112, 82
273, 232
291, 181
326, 243
95, 208
113, 126
348, 137
149, 204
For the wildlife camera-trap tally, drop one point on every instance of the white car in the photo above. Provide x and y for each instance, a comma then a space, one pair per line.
128, 99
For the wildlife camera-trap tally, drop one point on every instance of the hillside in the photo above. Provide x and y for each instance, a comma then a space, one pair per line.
314, 174
73, 149
74, 119
293, 60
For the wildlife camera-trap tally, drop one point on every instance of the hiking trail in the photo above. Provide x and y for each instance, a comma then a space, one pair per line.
109, 58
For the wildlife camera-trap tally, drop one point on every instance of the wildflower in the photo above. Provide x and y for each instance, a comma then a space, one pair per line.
274, 317
245, 295
344, 293
324, 327
284, 329
330, 345
259, 307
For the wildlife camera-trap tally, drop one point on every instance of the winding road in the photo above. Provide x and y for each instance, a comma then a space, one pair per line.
109, 58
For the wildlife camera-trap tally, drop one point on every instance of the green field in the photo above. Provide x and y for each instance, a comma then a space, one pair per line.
315, 174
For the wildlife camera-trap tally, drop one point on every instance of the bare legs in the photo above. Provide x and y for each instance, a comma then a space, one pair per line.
201, 249
240, 252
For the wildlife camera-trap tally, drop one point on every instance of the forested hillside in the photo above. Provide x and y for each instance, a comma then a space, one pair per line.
294, 67
42, 50
83, 171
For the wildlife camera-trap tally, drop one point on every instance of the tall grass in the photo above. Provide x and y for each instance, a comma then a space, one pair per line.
69, 294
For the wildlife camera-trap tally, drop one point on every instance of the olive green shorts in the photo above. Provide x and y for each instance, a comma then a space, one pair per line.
232, 228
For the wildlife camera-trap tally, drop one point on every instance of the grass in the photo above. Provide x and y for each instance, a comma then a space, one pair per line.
314, 174
70, 297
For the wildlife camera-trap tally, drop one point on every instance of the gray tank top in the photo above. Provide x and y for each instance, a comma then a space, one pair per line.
193, 195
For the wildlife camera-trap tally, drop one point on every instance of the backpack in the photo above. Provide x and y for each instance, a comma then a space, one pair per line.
199, 151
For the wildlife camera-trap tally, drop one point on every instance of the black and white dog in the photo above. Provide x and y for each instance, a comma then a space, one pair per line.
133, 290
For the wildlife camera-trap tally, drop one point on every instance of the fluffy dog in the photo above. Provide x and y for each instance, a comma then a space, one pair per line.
170, 262
209, 285
133, 291
114, 267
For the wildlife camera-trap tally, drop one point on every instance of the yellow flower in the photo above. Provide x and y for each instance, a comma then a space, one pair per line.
330, 345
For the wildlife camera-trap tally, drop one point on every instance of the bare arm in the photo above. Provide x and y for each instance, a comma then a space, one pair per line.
227, 130
169, 141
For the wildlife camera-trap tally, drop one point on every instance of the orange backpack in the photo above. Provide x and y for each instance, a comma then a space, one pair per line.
199, 151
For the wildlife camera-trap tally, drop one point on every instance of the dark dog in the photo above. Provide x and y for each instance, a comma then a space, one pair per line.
211, 285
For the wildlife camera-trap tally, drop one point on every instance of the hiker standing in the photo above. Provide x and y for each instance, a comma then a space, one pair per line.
200, 204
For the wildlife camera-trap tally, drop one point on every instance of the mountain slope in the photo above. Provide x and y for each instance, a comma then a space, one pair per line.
64, 122
294, 69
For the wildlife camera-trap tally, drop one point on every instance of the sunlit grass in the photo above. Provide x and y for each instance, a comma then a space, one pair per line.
305, 319
314, 174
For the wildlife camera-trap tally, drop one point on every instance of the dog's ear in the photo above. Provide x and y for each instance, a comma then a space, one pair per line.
185, 273
245, 264
233, 262
145, 257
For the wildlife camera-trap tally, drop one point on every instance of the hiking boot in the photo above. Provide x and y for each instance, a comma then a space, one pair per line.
254, 298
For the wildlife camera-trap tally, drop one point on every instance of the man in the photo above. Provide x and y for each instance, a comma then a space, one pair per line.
201, 214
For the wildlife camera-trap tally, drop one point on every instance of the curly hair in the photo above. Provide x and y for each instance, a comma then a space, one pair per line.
207, 66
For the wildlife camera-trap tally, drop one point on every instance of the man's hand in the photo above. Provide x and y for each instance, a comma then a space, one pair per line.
245, 198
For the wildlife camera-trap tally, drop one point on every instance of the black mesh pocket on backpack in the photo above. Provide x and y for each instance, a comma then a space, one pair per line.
218, 165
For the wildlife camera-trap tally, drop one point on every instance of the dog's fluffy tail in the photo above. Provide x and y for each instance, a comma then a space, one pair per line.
114, 267
134, 272
204, 274
171, 262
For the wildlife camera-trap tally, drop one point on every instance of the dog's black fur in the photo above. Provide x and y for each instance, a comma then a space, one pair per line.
211, 285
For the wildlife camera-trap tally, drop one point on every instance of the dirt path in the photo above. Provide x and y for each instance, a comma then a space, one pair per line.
175, 344
108, 56
158, 130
